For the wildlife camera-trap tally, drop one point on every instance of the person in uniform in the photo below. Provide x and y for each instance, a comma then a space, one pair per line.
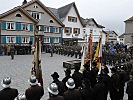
12, 51
129, 89
7, 93
71, 93
35, 91
53, 92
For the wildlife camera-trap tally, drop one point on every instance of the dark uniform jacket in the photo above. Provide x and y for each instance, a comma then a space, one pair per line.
8, 94
56, 98
129, 89
73, 94
34, 92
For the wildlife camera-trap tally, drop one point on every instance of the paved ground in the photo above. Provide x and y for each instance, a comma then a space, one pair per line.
19, 70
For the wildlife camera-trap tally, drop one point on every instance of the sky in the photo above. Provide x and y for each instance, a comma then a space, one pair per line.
109, 13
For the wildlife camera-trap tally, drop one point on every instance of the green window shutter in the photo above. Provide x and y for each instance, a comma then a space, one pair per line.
60, 40
32, 39
51, 30
31, 27
3, 25
51, 40
18, 26
18, 40
3, 40
60, 30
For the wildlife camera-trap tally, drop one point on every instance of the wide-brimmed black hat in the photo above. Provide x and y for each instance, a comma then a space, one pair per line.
55, 75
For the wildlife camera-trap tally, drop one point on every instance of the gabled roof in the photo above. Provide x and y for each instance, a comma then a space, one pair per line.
63, 11
54, 11
129, 19
104, 32
45, 8
122, 35
86, 21
111, 32
16, 9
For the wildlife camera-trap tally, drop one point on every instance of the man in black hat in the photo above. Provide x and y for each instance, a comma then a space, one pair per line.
129, 89
35, 92
7, 93
60, 84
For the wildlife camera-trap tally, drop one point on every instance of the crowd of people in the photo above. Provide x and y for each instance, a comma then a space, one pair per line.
88, 85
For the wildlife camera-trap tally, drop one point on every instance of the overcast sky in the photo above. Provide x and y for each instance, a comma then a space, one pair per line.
109, 13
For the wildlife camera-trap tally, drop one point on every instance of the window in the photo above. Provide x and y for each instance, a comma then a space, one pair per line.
72, 19
10, 26
41, 28
76, 31
91, 30
46, 29
25, 27
10, 39
36, 15
25, 39
56, 30
35, 6
51, 21
56, 40
46, 40
18, 15
68, 30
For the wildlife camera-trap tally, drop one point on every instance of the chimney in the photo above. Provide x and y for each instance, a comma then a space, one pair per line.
24, 2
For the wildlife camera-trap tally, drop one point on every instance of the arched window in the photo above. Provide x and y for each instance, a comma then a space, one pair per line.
18, 15
51, 21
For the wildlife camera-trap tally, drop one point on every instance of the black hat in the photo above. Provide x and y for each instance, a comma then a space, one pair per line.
55, 75
67, 71
113, 69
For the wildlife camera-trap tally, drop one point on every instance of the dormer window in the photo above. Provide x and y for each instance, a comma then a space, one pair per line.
51, 21
35, 6
18, 15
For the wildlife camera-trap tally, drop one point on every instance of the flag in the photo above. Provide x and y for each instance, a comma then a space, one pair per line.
82, 60
98, 53
36, 69
90, 47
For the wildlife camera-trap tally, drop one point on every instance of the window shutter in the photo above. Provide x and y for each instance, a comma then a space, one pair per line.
60, 40
68, 18
51, 29
31, 27
70, 30
73, 30
79, 31
3, 25
18, 40
65, 30
60, 30
18, 26
51, 39
76, 19
3, 40
32, 39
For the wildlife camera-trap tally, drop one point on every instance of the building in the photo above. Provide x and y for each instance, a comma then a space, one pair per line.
18, 24
128, 37
112, 37
91, 26
121, 38
70, 17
